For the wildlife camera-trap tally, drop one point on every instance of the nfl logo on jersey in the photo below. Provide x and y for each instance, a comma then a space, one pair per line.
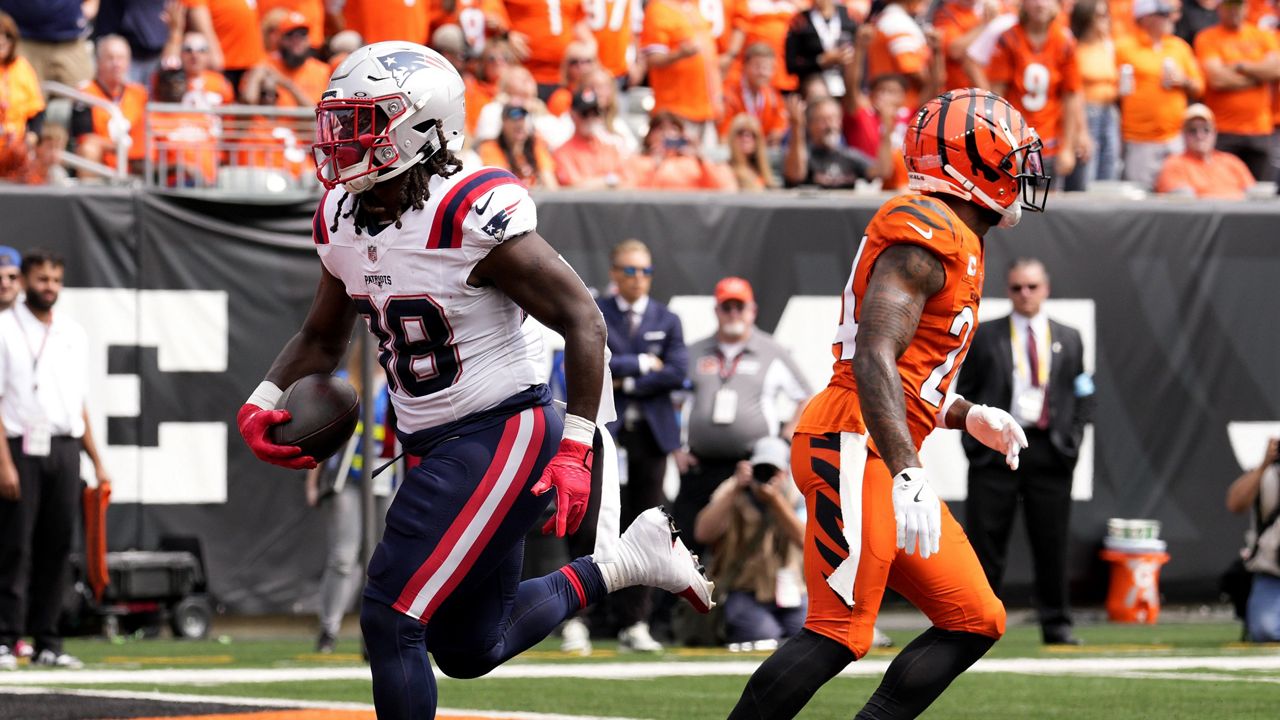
372, 252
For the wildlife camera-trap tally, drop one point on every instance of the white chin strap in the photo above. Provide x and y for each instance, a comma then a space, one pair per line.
1009, 216
360, 184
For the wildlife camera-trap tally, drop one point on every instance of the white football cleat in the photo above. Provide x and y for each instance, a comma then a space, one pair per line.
651, 553
575, 638
49, 658
637, 639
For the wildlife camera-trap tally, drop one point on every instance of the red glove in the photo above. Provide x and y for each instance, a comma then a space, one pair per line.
255, 422
569, 472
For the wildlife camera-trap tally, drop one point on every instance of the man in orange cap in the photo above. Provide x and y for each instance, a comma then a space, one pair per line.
737, 376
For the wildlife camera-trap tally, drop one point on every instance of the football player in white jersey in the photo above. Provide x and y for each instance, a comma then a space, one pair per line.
443, 262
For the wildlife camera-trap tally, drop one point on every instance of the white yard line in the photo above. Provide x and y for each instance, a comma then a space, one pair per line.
1203, 677
632, 671
278, 703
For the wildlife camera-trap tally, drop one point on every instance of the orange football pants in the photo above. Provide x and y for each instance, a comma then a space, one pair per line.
949, 587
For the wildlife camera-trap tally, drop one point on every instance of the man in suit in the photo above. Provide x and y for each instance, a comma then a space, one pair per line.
649, 363
1034, 367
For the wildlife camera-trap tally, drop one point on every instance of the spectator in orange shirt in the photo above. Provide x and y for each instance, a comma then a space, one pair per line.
1241, 63
480, 20
483, 84
761, 21
264, 142
579, 61
748, 160
820, 43
960, 22
206, 88
1034, 68
587, 161
312, 10
1201, 170
237, 29
184, 145
683, 68
21, 104
520, 150
755, 95
45, 167
900, 46
540, 35
613, 24
379, 20
1099, 77
673, 159
303, 77
1160, 79
97, 134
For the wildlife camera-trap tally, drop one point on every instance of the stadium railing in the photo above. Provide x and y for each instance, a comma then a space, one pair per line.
65, 95
248, 153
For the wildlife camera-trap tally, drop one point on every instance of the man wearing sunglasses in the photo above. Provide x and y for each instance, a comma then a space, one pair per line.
649, 360
1033, 367
1201, 170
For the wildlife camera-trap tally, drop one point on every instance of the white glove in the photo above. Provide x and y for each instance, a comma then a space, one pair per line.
917, 512
996, 429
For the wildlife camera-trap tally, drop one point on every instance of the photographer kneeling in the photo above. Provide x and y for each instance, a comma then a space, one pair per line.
755, 524
1258, 491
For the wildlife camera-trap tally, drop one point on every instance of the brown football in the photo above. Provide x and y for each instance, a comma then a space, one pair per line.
324, 412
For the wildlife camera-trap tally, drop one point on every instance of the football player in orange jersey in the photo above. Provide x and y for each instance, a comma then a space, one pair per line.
909, 310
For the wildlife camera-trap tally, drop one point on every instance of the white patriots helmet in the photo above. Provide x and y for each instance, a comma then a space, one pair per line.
378, 117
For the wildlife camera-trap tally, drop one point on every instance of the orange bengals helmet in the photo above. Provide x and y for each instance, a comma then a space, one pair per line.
974, 144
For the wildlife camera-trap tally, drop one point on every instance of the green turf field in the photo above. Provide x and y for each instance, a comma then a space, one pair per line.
1089, 691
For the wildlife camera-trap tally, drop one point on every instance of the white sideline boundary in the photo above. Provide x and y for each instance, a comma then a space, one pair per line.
291, 704
1104, 666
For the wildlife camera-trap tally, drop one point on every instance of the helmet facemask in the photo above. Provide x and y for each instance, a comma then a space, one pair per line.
357, 143
1025, 163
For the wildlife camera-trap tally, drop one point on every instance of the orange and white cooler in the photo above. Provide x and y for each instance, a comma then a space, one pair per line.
1136, 553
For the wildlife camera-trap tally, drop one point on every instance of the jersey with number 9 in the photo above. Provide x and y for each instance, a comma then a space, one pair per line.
1037, 78
449, 348
941, 340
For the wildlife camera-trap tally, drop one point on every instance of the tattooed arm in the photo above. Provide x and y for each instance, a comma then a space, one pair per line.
904, 277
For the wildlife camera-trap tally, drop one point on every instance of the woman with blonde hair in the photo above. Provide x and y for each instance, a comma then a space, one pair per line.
747, 158
615, 128
579, 60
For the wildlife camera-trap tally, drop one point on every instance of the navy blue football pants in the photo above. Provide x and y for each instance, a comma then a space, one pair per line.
445, 578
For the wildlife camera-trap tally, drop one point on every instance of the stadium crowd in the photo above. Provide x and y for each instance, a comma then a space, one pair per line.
671, 94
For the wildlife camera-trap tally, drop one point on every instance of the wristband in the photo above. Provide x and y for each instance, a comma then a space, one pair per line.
947, 402
266, 395
579, 429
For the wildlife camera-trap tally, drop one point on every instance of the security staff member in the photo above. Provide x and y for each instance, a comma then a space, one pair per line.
43, 384
1034, 367
737, 375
